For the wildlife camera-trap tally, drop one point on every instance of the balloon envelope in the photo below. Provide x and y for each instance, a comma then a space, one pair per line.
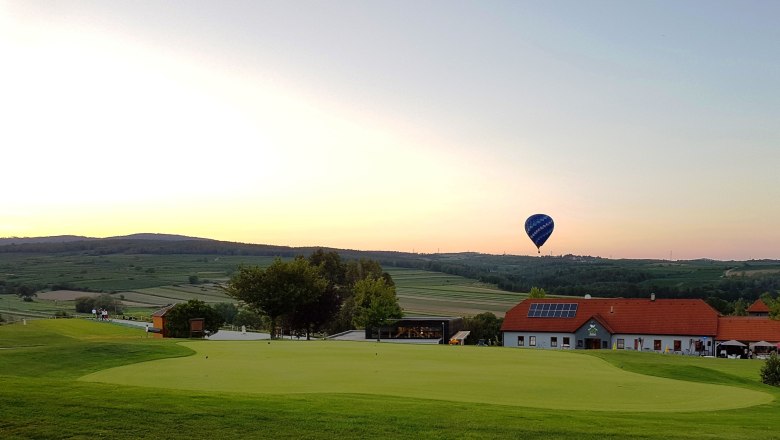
539, 227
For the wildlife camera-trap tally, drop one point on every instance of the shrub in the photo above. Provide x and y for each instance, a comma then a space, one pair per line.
178, 318
84, 304
770, 372
249, 319
228, 311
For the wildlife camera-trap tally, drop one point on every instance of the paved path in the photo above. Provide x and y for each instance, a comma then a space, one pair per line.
222, 335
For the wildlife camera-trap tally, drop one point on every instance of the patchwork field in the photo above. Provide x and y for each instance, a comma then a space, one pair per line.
57, 375
423, 292
147, 282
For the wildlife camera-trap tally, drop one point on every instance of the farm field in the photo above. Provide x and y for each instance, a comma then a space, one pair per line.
323, 389
423, 292
147, 282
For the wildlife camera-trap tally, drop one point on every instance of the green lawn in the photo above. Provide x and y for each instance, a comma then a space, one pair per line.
324, 390
529, 378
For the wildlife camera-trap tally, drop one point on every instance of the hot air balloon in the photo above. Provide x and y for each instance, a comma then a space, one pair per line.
539, 227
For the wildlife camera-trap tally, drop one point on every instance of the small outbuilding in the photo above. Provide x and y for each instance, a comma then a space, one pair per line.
418, 327
159, 328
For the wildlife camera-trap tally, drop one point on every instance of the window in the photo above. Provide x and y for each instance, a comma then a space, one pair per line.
657, 345
699, 346
520, 341
566, 343
579, 343
553, 341
532, 341
621, 344
677, 345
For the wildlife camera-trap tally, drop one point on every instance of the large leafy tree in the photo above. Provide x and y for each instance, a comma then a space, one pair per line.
311, 316
178, 318
281, 289
483, 326
375, 302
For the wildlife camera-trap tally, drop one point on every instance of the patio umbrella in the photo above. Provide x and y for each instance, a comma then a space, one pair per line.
732, 343
762, 344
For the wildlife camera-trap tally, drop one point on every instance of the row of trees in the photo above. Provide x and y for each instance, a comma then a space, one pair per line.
739, 306
85, 304
318, 293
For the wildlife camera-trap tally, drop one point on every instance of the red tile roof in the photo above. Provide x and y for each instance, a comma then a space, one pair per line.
628, 316
758, 307
163, 311
748, 329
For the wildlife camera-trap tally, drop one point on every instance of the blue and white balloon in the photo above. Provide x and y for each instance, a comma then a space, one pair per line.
539, 227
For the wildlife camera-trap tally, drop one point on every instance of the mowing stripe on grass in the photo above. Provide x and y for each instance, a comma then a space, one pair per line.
528, 378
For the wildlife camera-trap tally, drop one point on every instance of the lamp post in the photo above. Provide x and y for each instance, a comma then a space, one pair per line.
442, 332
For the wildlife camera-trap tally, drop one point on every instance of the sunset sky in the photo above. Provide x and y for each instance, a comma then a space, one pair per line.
645, 129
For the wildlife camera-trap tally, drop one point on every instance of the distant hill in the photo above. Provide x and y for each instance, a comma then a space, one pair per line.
155, 236
562, 275
52, 239
75, 238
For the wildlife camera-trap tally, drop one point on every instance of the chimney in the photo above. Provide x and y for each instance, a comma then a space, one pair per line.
652, 297
611, 309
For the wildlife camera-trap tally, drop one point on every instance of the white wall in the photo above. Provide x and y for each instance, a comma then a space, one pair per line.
666, 340
542, 339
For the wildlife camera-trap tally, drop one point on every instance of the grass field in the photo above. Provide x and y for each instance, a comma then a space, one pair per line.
533, 378
323, 389
423, 292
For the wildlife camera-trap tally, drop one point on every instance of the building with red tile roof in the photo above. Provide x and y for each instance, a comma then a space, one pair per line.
747, 329
758, 308
680, 325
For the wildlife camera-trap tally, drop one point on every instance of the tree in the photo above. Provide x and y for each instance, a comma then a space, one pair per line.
107, 302
281, 289
375, 302
249, 318
721, 305
330, 266
357, 270
483, 326
537, 292
313, 315
773, 304
84, 304
26, 293
740, 307
770, 372
193, 279
228, 311
178, 318
316, 314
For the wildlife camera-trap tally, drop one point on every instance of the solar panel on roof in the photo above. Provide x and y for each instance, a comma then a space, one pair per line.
552, 310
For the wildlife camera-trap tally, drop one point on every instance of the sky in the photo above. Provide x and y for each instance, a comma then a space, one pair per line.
645, 129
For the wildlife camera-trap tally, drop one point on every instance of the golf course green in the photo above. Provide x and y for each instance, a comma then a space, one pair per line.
71, 378
530, 378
